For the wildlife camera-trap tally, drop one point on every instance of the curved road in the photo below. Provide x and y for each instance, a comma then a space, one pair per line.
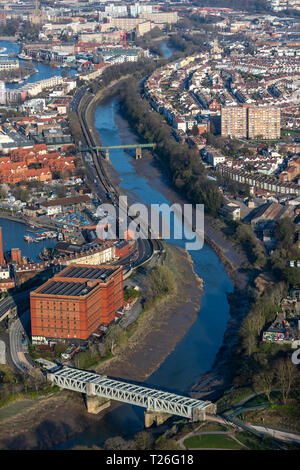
98, 178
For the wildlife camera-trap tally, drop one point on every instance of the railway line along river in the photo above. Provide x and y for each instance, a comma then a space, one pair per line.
195, 354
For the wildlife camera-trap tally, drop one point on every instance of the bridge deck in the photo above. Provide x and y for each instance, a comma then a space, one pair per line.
128, 146
146, 397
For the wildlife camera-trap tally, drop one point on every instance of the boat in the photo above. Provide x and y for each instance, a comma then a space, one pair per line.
24, 56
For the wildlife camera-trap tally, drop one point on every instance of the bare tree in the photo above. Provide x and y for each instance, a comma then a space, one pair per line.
115, 337
264, 382
286, 374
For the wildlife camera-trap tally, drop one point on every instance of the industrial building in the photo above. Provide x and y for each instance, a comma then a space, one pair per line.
75, 303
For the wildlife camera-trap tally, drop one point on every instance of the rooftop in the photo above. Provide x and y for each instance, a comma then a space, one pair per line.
66, 288
82, 272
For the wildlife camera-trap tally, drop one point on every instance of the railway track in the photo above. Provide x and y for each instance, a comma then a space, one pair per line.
108, 186
101, 173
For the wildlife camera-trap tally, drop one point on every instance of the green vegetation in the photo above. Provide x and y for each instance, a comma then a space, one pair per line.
146, 41
91, 357
286, 249
131, 293
212, 441
254, 442
137, 69
141, 441
49, 353
49, 390
210, 426
277, 415
251, 6
263, 399
161, 282
15, 387
232, 397
181, 163
251, 245
9, 27
7, 375
165, 443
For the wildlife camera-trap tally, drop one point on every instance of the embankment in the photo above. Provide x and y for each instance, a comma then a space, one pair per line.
161, 327
156, 333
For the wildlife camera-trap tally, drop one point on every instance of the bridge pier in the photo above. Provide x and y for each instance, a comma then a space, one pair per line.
155, 417
106, 154
96, 404
200, 415
138, 153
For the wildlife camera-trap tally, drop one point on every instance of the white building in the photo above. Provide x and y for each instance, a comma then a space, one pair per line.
7, 65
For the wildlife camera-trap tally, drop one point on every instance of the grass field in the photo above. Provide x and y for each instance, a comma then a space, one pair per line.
212, 441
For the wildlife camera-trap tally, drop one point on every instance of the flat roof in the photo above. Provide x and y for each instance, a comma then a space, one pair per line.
66, 288
78, 272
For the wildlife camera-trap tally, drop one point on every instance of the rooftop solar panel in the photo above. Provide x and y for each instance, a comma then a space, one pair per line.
87, 273
66, 288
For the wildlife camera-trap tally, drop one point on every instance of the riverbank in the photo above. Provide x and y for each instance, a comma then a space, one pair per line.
56, 419
159, 329
150, 169
32, 221
213, 383
47, 422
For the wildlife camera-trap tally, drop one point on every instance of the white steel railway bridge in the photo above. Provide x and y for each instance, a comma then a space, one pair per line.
153, 400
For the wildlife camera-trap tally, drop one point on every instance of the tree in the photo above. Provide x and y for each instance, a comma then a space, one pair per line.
144, 440
286, 374
21, 193
102, 349
61, 190
285, 231
37, 379
115, 337
3, 191
195, 130
161, 281
117, 443
292, 276
264, 382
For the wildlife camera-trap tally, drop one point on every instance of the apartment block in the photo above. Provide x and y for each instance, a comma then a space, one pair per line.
234, 122
264, 122
250, 122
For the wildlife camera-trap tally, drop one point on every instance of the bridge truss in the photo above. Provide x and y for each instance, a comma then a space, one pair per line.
149, 398
128, 146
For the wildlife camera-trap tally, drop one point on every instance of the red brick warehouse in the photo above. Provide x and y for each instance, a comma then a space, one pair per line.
75, 302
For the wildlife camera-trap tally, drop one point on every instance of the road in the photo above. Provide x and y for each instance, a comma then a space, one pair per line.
17, 348
98, 179
282, 435
5, 306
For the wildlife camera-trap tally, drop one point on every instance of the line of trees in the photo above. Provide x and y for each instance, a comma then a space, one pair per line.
251, 6
182, 164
